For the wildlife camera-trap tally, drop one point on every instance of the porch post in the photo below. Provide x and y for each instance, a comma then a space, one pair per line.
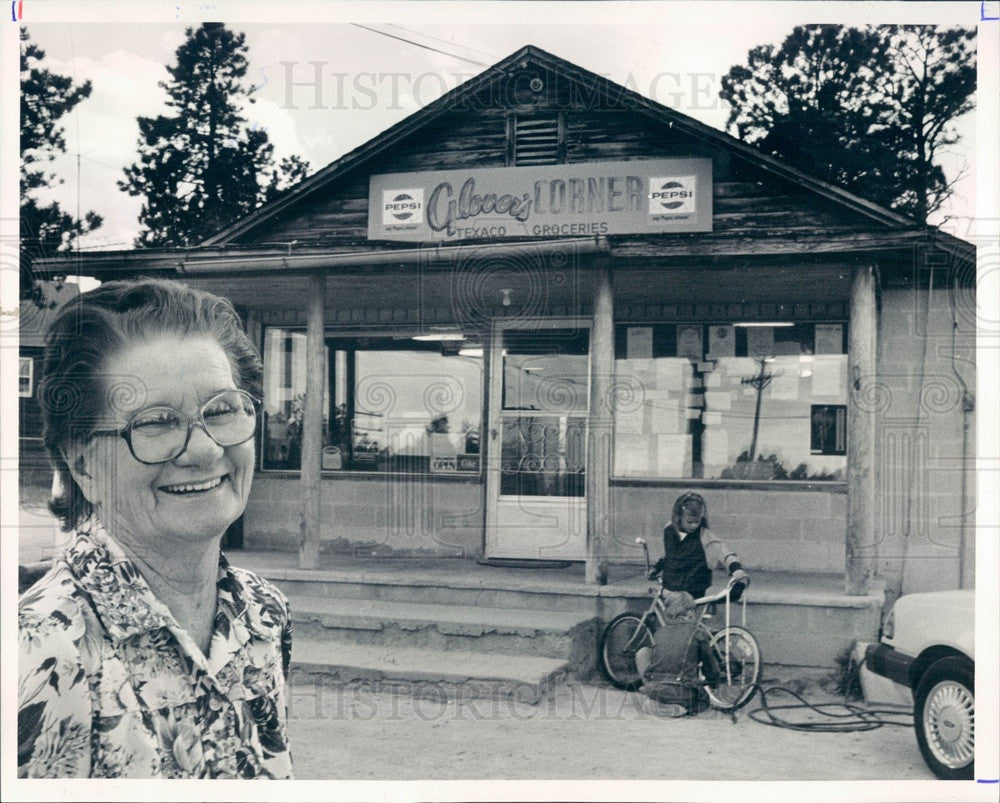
602, 356
312, 428
860, 553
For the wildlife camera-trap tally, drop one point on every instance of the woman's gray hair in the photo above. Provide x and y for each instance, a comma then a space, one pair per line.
74, 393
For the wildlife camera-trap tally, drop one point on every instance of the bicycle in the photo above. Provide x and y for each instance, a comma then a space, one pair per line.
732, 651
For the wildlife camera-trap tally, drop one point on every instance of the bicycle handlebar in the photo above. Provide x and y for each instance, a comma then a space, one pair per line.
719, 595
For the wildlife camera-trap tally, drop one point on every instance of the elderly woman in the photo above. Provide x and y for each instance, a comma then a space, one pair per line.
143, 653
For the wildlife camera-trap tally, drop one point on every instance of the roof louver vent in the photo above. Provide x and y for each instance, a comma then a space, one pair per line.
537, 140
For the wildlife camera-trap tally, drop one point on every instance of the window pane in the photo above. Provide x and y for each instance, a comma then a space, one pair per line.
390, 404
779, 394
26, 374
546, 370
731, 402
284, 398
654, 402
545, 382
543, 455
416, 410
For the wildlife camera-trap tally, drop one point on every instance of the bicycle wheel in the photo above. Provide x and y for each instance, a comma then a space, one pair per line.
735, 688
624, 635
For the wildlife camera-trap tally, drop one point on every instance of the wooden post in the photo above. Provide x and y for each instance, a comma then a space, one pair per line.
312, 428
602, 363
863, 393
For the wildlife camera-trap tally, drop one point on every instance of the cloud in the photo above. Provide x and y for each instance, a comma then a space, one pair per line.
280, 127
172, 39
103, 128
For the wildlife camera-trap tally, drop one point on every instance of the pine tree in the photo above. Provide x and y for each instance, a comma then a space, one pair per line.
869, 109
203, 167
45, 98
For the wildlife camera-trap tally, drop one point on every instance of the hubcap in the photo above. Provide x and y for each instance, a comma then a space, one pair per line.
949, 723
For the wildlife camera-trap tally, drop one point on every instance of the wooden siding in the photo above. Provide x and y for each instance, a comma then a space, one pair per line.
748, 202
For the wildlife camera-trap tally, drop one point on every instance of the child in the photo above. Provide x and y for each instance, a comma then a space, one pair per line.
691, 551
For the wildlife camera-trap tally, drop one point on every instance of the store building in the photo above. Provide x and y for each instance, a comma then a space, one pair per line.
34, 318
521, 321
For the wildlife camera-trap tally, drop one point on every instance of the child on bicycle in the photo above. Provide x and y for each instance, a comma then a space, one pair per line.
690, 552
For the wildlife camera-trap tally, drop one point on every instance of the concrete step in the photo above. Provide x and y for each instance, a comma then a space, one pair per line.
428, 673
552, 634
452, 590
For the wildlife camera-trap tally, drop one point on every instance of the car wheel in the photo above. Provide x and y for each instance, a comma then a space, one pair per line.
944, 716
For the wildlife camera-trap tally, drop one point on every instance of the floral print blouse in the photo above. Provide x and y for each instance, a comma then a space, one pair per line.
110, 686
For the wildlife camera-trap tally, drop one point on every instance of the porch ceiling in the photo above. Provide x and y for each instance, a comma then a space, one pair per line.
733, 285
465, 294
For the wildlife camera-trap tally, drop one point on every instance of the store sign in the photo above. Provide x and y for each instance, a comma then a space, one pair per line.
573, 200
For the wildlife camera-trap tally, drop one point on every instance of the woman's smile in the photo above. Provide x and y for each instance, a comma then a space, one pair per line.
189, 488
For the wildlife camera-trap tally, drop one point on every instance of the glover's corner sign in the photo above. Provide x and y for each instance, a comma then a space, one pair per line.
570, 200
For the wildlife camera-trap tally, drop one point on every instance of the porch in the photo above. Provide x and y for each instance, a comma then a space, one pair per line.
516, 616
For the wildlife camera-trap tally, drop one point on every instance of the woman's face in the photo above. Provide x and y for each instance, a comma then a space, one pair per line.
198, 494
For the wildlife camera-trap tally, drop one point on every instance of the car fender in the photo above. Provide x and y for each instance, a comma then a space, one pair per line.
936, 619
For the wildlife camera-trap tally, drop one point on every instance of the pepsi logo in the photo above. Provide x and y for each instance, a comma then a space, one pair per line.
402, 207
672, 195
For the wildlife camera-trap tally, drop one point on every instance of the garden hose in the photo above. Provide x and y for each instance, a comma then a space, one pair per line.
840, 717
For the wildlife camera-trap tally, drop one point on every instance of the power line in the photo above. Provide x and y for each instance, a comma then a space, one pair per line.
443, 41
102, 246
78, 223
418, 44
116, 168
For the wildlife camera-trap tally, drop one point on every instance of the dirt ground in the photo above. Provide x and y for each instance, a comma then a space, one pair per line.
585, 732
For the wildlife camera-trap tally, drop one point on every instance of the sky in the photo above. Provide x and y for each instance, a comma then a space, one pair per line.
370, 77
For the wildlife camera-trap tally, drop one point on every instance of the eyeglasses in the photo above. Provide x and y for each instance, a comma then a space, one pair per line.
159, 434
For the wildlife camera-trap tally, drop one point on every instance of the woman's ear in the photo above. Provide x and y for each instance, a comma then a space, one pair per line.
79, 457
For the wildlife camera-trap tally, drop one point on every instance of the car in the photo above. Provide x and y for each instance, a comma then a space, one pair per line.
927, 643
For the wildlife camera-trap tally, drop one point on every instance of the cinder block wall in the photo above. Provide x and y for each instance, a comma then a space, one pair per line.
782, 530
384, 515
922, 361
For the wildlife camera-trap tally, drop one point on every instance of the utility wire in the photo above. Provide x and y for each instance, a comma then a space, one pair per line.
418, 44
78, 225
116, 168
443, 41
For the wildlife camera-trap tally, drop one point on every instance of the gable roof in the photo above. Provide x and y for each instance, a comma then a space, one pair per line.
629, 99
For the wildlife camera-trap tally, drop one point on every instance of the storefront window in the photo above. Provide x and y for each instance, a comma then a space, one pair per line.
731, 401
284, 398
392, 403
